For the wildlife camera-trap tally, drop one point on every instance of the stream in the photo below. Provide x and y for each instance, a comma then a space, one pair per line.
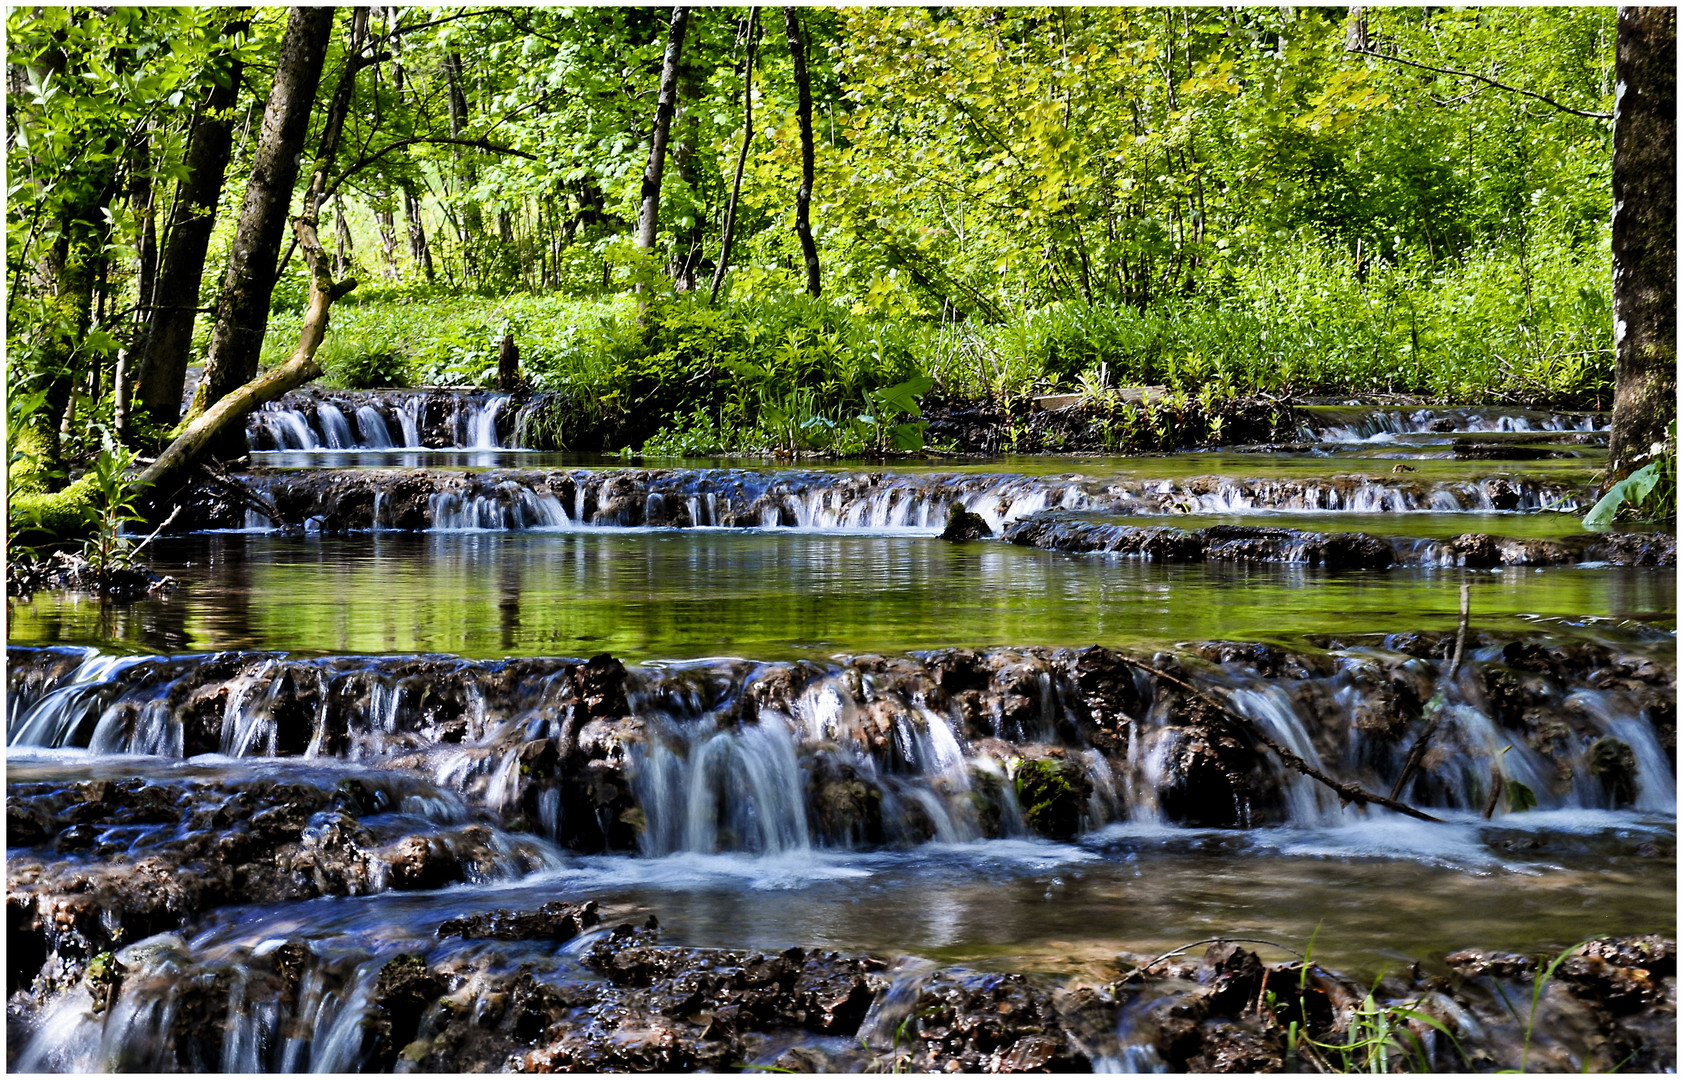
476, 757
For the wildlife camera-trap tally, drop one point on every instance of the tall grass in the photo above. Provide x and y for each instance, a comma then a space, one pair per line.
1290, 318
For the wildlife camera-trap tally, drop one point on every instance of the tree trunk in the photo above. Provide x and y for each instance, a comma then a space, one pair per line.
223, 424
242, 311
227, 415
648, 218
168, 344
471, 221
729, 229
803, 226
343, 245
686, 249
418, 250
1644, 234
142, 200
387, 222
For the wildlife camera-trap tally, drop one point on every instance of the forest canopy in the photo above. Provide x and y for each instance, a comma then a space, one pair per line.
1002, 200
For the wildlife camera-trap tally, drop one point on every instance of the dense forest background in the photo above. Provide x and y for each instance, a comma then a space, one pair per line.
1005, 201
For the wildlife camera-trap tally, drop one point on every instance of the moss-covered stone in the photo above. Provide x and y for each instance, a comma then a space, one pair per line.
1052, 792
30, 450
963, 525
55, 516
1614, 764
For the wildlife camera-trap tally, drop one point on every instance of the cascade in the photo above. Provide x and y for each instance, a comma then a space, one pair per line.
873, 503
335, 429
777, 758
373, 428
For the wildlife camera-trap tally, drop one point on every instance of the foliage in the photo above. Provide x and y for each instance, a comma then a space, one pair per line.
113, 507
1222, 201
1649, 492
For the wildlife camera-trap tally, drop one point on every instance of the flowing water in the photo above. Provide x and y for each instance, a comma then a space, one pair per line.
838, 731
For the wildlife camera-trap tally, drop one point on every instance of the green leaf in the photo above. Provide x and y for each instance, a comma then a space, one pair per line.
1632, 489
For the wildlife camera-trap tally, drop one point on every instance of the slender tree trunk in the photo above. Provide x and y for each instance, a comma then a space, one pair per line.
803, 226
418, 250
242, 312
168, 342
648, 219
729, 229
344, 246
686, 251
387, 223
470, 221
142, 200
1644, 233
223, 424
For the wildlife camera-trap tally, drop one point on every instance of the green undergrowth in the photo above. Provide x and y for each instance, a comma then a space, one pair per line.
699, 377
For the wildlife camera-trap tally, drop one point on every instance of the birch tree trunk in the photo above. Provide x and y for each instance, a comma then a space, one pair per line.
648, 219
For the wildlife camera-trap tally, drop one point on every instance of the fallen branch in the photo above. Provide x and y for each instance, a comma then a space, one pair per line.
243, 493
1347, 792
298, 370
138, 548
1148, 965
1417, 752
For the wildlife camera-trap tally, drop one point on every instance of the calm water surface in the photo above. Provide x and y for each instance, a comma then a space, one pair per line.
661, 593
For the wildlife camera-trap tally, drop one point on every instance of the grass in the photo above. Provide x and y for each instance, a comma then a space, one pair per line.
697, 377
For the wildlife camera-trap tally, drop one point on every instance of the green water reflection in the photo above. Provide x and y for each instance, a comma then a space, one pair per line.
688, 593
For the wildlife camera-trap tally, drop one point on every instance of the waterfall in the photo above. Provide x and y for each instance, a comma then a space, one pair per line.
373, 428
409, 418
335, 429
482, 422
780, 758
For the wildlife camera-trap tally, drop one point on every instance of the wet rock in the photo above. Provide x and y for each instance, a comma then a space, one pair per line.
965, 1022
1212, 774
847, 808
1476, 962
964, 525
422, 862
27, 574
1614, 764
1657, 549
404, 990
555, 921
1234, 975
187, 849
1053, 795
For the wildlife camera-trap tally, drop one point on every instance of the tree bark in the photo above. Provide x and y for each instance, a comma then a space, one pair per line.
223, 424
471, 221
1644, 234
803, 226
228, 414
648, 218
167, 348
242, 311
729, 228
418, 250
687, 246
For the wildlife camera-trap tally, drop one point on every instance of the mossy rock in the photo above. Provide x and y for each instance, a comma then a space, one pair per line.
1053, 793
27, 474
54, 517
964, 525
1613, 762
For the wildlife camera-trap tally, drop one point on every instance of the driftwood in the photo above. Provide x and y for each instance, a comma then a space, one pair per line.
243, 493
163, 474
1349, 793
1417, 752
